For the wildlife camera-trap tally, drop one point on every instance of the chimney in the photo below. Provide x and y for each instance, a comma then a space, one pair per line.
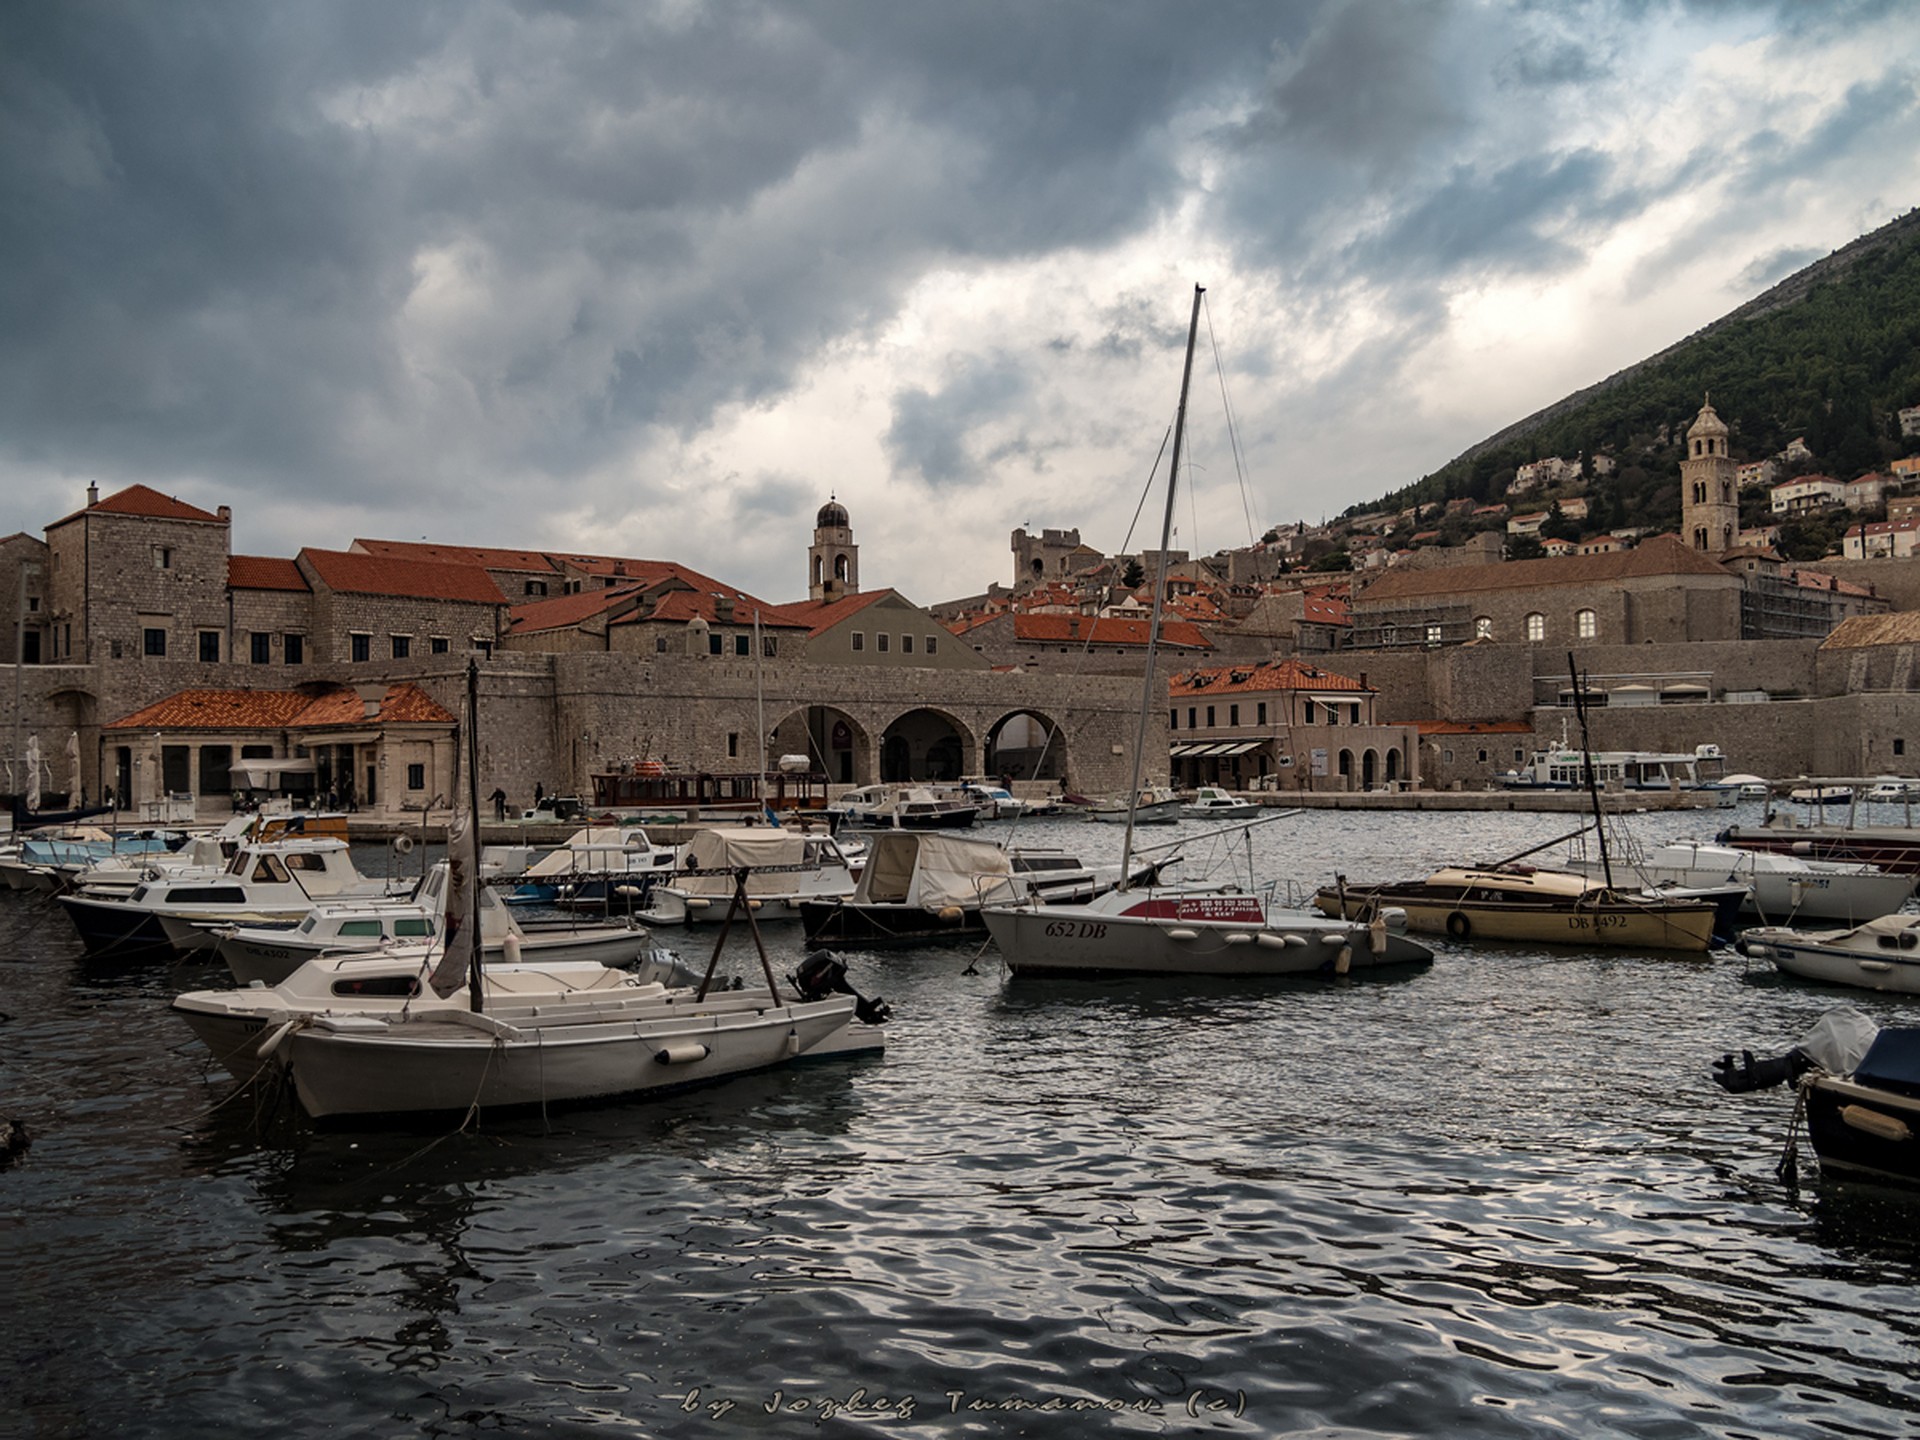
723, 609
93, 496
225, 512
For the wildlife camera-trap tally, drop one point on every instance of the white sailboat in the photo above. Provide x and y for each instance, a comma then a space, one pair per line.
1158, 929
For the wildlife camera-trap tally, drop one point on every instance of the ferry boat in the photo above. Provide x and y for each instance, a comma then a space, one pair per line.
1563, 768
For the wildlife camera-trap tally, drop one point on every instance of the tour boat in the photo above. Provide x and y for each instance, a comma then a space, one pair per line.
1564, 768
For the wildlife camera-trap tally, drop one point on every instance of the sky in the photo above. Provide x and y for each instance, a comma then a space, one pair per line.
657, 280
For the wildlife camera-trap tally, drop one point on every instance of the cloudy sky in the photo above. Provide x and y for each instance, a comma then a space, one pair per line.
656, 279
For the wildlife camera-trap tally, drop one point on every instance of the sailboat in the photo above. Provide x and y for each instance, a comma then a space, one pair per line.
562, 1045
1185, 929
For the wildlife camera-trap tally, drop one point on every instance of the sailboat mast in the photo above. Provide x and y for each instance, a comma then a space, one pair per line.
475, 1002
1159, 589
760, 708
1586, 764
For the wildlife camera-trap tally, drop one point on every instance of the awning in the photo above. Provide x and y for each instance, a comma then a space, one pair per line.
261, 772
1212, 749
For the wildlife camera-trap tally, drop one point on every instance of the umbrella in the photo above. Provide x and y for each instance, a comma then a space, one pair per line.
33, 772
73, 768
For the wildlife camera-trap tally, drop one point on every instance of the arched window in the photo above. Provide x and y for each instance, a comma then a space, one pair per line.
1586, 624
1536, 627
839, 567
1483, 627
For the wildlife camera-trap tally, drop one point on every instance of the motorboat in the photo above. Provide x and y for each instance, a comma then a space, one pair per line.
904, 807
564, 1036
1821, 795
1748, 787
594, 865
1564, 767
1781, 888
1891, 847
914, 887
1210, 802
47, 860
278, 880
784, 869
996, 802
1150, 805
1857, 1085
270, 953
1536, 905
1892, 790
1881, 954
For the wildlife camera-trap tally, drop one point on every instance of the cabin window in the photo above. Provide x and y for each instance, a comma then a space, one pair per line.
396, 987
416, 777
361, 928
260, 647
294, 647
402, 646
209, 647
412, 929
270, 869
1586, 624
859, 640
303, 861
1536, 627
153, 642
362, 646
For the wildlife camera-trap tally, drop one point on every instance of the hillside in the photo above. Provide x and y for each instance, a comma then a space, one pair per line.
1828, 354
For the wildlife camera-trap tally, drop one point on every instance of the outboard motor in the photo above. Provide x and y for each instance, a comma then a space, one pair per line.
1748, 1074
824, 973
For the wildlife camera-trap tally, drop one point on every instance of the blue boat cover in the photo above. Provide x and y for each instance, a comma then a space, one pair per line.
1892, 1062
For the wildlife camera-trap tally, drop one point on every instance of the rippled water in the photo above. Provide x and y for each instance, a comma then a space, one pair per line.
1498, 1194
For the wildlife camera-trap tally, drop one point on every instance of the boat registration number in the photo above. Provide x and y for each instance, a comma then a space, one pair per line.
1076, 929
1596, 922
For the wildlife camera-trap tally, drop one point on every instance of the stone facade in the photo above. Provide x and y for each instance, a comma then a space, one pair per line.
145, 583
1709, 487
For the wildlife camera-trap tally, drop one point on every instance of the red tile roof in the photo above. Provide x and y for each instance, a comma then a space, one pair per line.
1274, 675
263, 572
1106, 630
358, 574
819, 616
280, 710
486, 557
564, 612
146, 501
1661, 555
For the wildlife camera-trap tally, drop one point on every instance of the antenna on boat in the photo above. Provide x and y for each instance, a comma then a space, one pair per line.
1586, 767
1159, 590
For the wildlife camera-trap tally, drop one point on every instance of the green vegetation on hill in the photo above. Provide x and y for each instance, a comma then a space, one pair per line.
1828, 355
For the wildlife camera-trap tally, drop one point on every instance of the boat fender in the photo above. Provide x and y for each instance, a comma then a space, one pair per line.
510, 948
403, 844
1872, 1122
951, 914
1459, 926
1183, 934
1377, 935
272, 1043
1237, 937
1345, 962
627, 891
697, 903
1298, 942
1271, 940
1334, 937
682, 1054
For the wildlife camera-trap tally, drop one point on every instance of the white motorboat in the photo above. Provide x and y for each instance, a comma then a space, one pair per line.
903, 807
591, 866
1892, 790
1151, 805
1818, 796
1882, 954
269, 954
1748, 787
1210, 802
277, 880
785, 868
1781, 888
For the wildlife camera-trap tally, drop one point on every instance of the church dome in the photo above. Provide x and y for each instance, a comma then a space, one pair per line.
833, 516
1707, 422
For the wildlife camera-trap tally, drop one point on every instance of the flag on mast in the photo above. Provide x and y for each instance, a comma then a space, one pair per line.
456, 921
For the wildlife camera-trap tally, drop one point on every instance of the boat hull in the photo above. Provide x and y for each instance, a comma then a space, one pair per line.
115, 930
857, 925
254, 958
439, 1061
1862, 1129
1686, 927
1896, 973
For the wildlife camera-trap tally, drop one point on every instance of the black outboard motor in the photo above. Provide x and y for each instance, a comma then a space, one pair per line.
824, 973
1748, 1074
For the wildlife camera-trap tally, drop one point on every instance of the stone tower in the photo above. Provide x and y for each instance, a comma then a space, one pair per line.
1709, 499
833, 564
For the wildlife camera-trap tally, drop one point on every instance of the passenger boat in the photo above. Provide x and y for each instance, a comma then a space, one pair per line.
1210, 802
1521, 902
784, 869
1781, 888
1882, 954
1562, 768
1858, 1087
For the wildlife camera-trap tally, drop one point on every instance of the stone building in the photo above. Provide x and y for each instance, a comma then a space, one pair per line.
1050, 555
1079, 644
1709, 488
833, 562
1287, 725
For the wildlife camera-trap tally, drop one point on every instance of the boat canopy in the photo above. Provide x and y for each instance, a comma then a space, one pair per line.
914, 868
723, 851
599, 847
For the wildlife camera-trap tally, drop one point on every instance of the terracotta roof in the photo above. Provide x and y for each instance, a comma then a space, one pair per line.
146, 501
1902, 627
281, 710
1660, 556
263, 572
680, 605
563, 612
358, 574
819, 616
1274, 675
486, 557
1105, 630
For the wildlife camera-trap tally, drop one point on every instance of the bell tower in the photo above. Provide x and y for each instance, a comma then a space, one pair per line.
833, 564
1709, 499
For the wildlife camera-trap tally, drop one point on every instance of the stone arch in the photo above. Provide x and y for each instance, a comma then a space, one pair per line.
927, 744
1026, 744
837, 744
1346, 769
1369, 768
1393, 765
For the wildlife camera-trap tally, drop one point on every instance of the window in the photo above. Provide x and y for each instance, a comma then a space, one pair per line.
768, 647
1586, 624
1173, 719
438, 645
1536, 627
362, 646
209, 647
402, 646
1306, 714
1434, 634
153, 642
743, 644
416, 777
660, 644
733, 744
859, 641
294, 648
1209, 717
1899, 747
1483, 757
1483, 627
1193, 718
880, 642
260, 647
1260, 713
1233, 715
1447, 755
906, 644
714, 643
162, 557
33, 604
536, 587
932, 642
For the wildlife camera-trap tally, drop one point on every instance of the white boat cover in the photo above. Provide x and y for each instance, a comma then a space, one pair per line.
909, 867
723, 851
1840, 1039
600, 847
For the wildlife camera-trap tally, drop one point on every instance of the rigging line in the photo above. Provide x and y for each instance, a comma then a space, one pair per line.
1233, 431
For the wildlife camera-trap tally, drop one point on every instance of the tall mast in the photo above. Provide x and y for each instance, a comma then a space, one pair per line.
1586, 765
475, 1000
1159, 590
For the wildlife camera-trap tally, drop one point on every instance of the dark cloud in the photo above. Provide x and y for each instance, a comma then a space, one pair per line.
931, 434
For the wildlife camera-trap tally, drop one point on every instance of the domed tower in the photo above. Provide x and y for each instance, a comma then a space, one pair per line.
833, 564
1709, 499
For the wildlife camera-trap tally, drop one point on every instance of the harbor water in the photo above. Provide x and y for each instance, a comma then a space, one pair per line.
1496, 1195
